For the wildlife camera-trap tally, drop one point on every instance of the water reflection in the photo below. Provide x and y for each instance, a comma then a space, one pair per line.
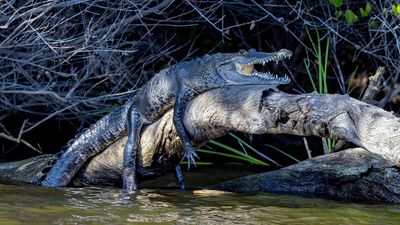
37, 205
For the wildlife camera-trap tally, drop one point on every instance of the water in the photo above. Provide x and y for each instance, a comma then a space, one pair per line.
93, 205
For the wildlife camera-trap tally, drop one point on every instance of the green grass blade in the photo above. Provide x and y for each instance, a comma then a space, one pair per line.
320, 68
312, 43
326, 66
281, 151
310, 76
239, 153
242, 146
197, 163
233, 156
331, 144
253, 149
351, 79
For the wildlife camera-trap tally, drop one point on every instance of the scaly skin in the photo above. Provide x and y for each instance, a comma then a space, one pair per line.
89, 143
171, 88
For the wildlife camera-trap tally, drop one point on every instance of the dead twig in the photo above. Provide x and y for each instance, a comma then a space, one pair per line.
19, 138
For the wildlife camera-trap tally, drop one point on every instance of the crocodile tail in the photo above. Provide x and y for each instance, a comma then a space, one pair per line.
31, 171
88, 144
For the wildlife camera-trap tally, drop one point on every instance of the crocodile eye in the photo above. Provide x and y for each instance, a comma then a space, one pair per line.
242, 52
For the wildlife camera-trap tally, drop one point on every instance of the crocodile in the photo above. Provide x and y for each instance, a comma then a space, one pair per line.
171, 88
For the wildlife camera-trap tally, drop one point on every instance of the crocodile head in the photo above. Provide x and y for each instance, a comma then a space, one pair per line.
252, 67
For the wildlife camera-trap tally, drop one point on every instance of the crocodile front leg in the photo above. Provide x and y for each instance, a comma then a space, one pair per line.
179, 110
135, 122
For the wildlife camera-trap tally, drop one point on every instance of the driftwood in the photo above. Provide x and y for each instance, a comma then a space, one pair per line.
256, 110
353, 174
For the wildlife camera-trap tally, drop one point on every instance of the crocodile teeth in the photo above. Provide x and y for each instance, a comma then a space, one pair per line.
249, 69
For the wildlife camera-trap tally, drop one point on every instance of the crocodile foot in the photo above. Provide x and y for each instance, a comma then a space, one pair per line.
190, 155
129, 179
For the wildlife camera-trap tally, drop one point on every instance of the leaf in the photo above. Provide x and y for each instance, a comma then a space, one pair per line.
363, 13
338, 14
336, 3
368, 8
394, 10
373, 25
398, 9
350, 17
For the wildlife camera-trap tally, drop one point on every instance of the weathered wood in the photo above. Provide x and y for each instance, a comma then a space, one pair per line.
253, 110
353, 174
373, 86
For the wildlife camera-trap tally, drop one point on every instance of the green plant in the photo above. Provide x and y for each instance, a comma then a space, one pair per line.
373, 25
336, 3
243, 154
338, 14
244, 144
322, 66
322, 63
350, 17
283, 152
351, 79
330, 144
234, 153
396, 9
365, 12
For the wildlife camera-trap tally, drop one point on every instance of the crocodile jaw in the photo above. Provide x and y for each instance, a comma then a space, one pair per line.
248, 69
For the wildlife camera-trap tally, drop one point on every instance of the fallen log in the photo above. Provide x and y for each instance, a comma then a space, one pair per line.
353, 175
257, 110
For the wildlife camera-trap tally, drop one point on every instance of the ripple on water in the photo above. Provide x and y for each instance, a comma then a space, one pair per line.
38, 205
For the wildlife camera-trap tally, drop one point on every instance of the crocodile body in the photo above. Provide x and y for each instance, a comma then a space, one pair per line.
170, 88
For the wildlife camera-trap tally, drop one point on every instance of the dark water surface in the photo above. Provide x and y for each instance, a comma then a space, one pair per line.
39, 205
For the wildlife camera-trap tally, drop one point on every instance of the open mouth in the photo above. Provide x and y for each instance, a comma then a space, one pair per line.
263, 68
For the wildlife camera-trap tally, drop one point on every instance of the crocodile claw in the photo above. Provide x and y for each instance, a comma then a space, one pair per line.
190, 155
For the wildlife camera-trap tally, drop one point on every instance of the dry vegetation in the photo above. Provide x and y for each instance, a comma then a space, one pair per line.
78, 59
